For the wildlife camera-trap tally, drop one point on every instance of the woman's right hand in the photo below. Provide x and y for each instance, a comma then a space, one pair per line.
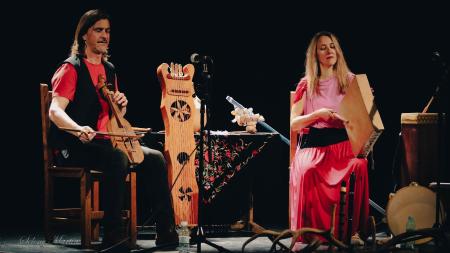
325, 114
329, 115
86, 134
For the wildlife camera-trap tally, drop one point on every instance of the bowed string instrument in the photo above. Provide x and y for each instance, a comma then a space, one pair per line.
123, 136
118, 124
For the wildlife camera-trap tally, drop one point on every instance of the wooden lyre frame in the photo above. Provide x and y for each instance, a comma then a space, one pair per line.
177, 108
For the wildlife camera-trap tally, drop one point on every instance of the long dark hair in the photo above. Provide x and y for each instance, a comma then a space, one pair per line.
87, 21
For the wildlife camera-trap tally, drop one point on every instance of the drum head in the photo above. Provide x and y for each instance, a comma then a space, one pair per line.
415, 201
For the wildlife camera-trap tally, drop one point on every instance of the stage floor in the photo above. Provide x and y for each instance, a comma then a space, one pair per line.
32, 241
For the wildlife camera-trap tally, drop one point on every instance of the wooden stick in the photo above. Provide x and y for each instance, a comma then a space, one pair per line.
106, 133
428, 105
140, 129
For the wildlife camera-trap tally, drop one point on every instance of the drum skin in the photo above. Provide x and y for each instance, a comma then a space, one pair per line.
416, 201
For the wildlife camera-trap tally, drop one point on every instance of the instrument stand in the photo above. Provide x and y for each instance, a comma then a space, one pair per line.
199, 236
441, 156
442, 85
438, 97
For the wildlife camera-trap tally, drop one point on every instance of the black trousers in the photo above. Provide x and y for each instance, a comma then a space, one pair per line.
151, 173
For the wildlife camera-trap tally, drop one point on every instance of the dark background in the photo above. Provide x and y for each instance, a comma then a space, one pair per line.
258, 51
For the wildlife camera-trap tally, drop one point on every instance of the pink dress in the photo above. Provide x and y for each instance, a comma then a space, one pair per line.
317, 172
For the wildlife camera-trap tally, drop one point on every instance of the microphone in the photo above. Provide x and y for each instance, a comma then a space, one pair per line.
436, 55
440, 63
196, 58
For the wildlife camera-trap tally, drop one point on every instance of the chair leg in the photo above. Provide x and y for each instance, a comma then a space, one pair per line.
133, 212
85, 197
95, 207
48, 207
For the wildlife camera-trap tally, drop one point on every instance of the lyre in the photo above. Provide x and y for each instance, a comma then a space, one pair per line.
177, 108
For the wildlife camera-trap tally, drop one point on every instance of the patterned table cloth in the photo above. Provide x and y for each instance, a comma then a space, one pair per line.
230, 153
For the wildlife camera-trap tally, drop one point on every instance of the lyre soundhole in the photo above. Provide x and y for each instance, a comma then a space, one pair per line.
180, 110
183, 157
185, 194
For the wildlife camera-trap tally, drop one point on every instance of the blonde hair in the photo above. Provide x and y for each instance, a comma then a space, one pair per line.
312, 68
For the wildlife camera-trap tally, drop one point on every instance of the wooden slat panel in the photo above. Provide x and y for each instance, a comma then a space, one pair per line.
133, 208
68, 172
293, 134
85, 216
74, 213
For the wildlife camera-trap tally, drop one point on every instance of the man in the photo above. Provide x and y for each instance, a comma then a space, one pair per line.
78, 104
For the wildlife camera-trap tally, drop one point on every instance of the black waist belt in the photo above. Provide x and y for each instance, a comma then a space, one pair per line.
320, 137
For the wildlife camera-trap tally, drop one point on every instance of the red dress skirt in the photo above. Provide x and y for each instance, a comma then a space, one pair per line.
314, 186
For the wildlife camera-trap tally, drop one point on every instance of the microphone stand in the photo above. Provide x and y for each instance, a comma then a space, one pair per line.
442, 134
441, 152
442, 147
200, 237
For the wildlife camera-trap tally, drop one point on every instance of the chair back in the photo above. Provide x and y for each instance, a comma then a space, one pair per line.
293, 134
46, 98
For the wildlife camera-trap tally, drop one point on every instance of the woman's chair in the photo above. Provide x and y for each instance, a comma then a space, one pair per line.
293, 139
293, 134
88, 214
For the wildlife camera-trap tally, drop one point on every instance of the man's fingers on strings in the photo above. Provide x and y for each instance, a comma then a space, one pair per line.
120, 98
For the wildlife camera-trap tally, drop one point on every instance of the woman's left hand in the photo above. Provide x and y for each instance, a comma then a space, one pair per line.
120, 99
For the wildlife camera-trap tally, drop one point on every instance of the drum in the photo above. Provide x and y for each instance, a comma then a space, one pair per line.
420, 146
416, 201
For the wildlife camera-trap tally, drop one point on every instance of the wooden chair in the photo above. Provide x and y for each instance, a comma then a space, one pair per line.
293, 138
88, 214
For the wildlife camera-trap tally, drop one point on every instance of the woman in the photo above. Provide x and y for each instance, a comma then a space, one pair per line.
324, 158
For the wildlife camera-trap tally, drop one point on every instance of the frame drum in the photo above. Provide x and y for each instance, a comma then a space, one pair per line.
416, 201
